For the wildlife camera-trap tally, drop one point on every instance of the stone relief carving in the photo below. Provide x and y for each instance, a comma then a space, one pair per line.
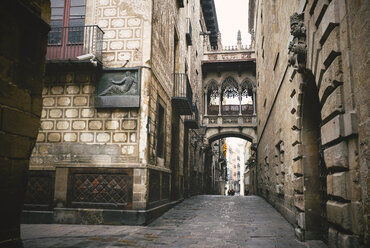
297, 47
229, 120
124, 86
118, 88
212, 120
247, 119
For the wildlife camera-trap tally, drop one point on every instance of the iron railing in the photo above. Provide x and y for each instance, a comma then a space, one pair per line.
192, 121
182, 87
67, 43
189, 32
182, 97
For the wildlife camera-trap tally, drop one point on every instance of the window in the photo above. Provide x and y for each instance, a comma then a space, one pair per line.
160, 131
67, 21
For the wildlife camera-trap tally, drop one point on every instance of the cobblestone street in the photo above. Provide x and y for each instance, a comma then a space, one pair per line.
200, 221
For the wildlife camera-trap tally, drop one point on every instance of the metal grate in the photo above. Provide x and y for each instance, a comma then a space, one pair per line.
154, 186
66, 43
40, 190
182, 96
165, 186
101, 189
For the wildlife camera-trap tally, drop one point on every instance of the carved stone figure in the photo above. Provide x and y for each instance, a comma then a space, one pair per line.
297, 28
298, 46
121, 87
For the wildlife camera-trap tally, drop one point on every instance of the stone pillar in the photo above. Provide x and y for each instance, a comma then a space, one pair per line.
220, 100
254, 100
22, 59
205, 102
140, 188
240, 100
239, 39
60, 188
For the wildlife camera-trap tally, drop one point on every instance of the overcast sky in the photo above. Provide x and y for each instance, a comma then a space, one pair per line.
232, 15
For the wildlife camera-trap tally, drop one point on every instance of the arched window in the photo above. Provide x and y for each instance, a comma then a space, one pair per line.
247, 97
230, 96
213, 98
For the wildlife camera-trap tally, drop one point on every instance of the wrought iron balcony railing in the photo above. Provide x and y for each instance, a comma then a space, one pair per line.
189, 32
192, 121
67, 43
182, 97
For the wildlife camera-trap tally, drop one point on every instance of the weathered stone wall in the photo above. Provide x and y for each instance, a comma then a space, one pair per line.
275, 153
170, 24
22, 57
325, 137
75, 136
69, 117
73, 132
127, 30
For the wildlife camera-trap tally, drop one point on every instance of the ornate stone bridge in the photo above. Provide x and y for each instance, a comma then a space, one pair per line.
243, 126
229, 99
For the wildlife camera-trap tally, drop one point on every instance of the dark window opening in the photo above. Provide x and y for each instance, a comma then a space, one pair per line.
160, 131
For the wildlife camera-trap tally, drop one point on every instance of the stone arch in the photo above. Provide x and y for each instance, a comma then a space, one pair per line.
211, 83
230, 96
247, 86
248, 96
211, 97
232, 75
212, 86
230, 87
248, 134
309, 166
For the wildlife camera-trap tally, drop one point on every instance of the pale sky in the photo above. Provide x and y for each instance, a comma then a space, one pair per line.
232, 15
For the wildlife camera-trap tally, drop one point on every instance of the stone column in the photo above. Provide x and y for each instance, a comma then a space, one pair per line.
240, 100
205, 102
60, 188
220, 100
254, 100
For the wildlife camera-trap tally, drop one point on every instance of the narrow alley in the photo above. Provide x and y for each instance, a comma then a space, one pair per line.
124, 123
199, 221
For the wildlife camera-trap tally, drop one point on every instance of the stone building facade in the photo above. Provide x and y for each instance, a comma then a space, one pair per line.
133, 152
22, 60
313, 109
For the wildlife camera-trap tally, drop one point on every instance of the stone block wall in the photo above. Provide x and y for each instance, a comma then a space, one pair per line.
74, 134
127, 28
69, 117
323, 139
23, 38
77, 137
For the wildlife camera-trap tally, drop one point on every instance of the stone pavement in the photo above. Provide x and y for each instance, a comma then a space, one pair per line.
199, 221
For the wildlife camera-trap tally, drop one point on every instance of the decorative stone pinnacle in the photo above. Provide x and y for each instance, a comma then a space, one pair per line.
239, 35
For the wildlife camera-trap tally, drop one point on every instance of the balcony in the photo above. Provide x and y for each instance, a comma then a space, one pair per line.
230, 121
192, 121
189, 32
66, 43
247, 109
182, 97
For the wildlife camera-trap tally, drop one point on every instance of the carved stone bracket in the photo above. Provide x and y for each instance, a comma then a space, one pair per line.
297, 47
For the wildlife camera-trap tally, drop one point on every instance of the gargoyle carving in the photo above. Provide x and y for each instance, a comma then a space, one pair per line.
297, 47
